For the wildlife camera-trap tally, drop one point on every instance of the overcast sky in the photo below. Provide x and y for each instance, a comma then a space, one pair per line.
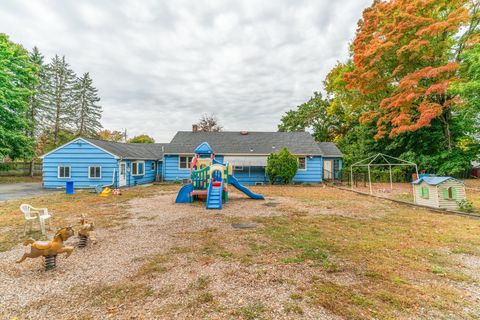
159, 65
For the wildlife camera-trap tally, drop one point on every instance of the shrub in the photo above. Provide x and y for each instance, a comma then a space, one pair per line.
282, 165
465, 205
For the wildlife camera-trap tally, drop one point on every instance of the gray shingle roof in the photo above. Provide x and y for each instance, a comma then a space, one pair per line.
140, 151
330, 149
233, 142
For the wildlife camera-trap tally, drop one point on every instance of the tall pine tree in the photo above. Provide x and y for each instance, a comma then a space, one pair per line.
59, 85
87, 111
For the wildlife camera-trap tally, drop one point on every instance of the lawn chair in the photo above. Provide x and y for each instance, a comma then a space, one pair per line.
41, 214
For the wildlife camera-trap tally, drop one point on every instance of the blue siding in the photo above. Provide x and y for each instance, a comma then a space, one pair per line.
171, 170
148, 176
313, 172
251, 175
78, 155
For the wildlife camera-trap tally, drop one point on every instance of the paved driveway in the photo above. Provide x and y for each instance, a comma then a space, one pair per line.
11, 191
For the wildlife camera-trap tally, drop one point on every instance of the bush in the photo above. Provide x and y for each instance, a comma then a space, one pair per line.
465, 205
282, 166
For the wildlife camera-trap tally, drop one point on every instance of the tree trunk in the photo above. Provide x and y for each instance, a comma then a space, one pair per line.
32, 168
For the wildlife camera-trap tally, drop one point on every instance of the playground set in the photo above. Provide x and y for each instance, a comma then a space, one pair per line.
210, 179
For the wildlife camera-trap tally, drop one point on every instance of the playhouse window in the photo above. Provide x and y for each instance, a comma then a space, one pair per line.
424, 192
302, 163
95, 172
138, 168
64, 172
185, 162
449, 193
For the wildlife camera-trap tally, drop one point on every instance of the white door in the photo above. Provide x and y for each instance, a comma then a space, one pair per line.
122, 180
327, 169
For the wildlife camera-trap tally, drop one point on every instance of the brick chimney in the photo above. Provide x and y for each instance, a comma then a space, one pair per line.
194, 128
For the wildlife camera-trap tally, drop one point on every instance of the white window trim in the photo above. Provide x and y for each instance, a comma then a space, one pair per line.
298, 159
69, 172
188, 162
89, 171
153, 166
138, 162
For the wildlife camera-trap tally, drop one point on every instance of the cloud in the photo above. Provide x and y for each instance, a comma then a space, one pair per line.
159, 65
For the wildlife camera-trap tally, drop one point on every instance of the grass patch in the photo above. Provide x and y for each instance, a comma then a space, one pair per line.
290, 307
251, 311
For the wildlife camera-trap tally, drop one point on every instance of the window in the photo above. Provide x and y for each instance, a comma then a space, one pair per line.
138, 168
94, 172
153, 165
64, 172
336, 165
424, 192
238, 168
449, 193
302, 163
185, 162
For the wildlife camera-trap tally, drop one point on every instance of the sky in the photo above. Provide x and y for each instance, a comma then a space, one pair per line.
160, 65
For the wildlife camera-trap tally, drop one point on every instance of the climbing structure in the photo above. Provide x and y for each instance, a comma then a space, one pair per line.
210, 179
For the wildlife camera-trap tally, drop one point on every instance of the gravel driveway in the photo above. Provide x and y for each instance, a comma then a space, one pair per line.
12, 191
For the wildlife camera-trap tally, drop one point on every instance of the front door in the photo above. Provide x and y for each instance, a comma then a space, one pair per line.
327, 170
123, 175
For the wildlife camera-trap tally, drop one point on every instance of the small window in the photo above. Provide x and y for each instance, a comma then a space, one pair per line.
238, 168
64, 172
153, 165
94, 172
424, 192
449, 193
302, 163
138, 168
336, 165
185, 162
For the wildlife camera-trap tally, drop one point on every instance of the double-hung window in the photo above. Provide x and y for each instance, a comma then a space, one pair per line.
95, 172
64, 172
302, 163
138, 168
184, 162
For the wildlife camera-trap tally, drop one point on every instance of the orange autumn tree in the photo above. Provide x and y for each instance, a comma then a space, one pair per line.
405, 58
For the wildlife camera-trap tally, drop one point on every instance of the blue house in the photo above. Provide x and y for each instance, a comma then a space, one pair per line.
248, 152
90, 162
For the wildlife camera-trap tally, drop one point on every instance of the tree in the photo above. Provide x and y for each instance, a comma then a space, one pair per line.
209, 123
87, 112
405, 59
313, 115
111, 135
143, 138
16, 80
60, 80
282, 165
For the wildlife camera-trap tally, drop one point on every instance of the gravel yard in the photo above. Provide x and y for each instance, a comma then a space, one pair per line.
167, 261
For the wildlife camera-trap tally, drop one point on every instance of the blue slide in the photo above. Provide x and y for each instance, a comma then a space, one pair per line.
214, 196
234, 182
184, 194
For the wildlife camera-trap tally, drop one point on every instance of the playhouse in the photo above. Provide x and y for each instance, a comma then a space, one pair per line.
439, 192
210, 179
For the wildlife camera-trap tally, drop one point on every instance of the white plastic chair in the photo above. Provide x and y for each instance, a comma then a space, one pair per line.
30, 214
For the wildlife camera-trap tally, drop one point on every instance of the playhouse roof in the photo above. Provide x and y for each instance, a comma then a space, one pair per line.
204, 148
433, 181
234, 142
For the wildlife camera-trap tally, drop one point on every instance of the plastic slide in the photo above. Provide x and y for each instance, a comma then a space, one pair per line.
234, 182
214, 195
184, 194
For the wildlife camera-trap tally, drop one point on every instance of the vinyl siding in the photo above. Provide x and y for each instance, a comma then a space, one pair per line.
313, 173
148, 176
460, 194
432, 200
78, 155
172, 172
